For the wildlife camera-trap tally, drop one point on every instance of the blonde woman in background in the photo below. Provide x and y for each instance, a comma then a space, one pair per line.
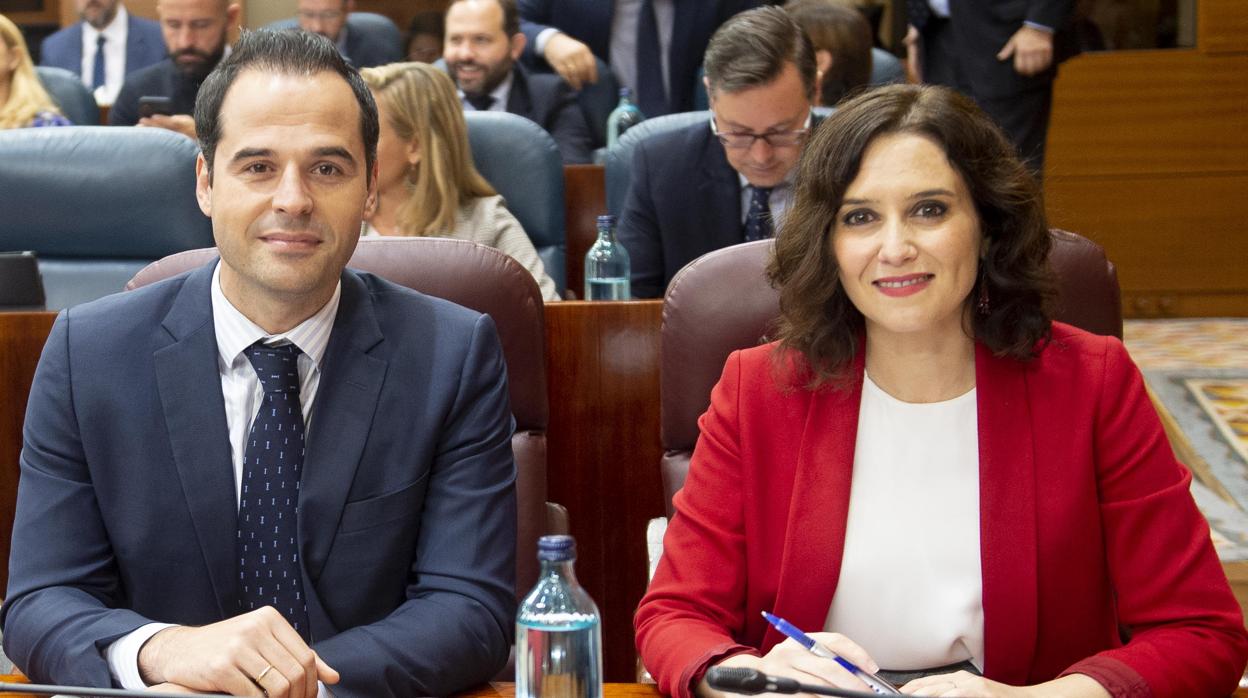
427, 185
23, 101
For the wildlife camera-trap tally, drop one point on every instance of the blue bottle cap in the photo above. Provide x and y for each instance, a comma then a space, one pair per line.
607, 220
556, 548
625, 92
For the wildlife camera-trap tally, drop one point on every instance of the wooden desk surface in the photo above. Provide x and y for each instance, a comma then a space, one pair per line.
500, 689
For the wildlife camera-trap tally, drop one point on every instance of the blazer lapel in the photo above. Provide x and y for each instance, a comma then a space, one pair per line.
1007, 499
519, 101
190, 395
342, 416
720, 188
135, 45
815, 538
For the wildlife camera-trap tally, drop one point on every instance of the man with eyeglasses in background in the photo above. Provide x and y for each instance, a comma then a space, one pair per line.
707, 186
331, 19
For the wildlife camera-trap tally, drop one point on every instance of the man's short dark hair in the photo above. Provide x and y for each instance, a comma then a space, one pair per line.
290, 52
511, 15
752, 48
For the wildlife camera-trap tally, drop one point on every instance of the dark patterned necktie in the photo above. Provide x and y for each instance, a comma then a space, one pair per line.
268, 509
758, 218
481, 102
651, 95
97, 68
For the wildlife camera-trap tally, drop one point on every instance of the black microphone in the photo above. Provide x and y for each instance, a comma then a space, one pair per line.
751, 682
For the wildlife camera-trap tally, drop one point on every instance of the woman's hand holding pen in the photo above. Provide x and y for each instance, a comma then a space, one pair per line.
791, 660
965, 684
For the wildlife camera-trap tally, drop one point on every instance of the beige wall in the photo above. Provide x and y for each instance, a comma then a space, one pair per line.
261, 12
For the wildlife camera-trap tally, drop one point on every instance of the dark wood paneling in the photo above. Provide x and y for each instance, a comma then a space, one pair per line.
22, 336
585, 198
603, 371
401, 11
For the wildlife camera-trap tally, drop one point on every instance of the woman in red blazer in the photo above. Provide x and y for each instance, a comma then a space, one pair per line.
913, 267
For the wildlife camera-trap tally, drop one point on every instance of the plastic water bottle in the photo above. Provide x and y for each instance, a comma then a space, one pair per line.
625, 116
606, 266
558, 630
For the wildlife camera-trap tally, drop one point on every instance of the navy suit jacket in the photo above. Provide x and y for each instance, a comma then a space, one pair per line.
551, 103
982, 28
144, 46
126, 509
683, 201
589, 21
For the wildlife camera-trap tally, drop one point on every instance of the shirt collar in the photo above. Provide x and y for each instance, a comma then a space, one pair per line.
784, 184
235, 332
500, 93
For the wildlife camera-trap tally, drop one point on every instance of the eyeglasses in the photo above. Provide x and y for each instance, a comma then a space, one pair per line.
775, 139
323, 15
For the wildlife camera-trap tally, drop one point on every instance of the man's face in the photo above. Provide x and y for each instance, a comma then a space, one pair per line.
195, 33
97, 13
324, 17
778, 106
478, 53
288, 189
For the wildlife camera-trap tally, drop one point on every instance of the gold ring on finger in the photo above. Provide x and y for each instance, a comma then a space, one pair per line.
261, 675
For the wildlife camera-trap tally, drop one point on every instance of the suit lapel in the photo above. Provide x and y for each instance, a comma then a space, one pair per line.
1007, 498
815, 541
135, 45
720, 188
519, 101
190, 394
342, 416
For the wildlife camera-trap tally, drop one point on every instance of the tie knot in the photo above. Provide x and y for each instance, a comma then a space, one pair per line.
276, 367
481, 102
99, 41
761, 195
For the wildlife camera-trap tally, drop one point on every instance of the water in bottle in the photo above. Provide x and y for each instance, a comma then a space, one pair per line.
625, 116
558, 630
606, 266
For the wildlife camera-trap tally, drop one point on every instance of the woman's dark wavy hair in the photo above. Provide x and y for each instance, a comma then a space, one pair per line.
817, 318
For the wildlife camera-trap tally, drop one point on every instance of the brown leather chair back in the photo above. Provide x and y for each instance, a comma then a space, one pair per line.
722, 302
485, 280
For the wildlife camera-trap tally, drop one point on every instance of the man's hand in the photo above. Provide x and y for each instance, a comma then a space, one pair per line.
1032, 50
181, 123
571, 59
255, 654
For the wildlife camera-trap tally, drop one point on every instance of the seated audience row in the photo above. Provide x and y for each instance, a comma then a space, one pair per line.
23, 100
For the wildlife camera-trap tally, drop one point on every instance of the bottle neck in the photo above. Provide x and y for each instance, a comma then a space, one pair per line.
606, 233
563, 568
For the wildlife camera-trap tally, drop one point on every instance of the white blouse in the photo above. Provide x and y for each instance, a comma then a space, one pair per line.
910, 590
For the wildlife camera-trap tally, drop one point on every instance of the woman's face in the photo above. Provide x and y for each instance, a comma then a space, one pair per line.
907, 240
395, 156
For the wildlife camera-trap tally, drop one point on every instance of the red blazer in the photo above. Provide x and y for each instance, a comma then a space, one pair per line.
1088, 533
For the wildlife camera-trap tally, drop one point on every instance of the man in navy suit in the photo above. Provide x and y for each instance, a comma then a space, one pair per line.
269, 427
566, 35
1004, 55
108, 44
332, 19
483, 42
710, 185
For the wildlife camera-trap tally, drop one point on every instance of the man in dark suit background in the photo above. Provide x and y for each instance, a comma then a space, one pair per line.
1001, 54
483, 43
196, 34
653, 46
105, 46
707, 186
165, 474
331, 19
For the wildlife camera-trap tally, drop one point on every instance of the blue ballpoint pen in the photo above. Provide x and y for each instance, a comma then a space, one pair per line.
876, 683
